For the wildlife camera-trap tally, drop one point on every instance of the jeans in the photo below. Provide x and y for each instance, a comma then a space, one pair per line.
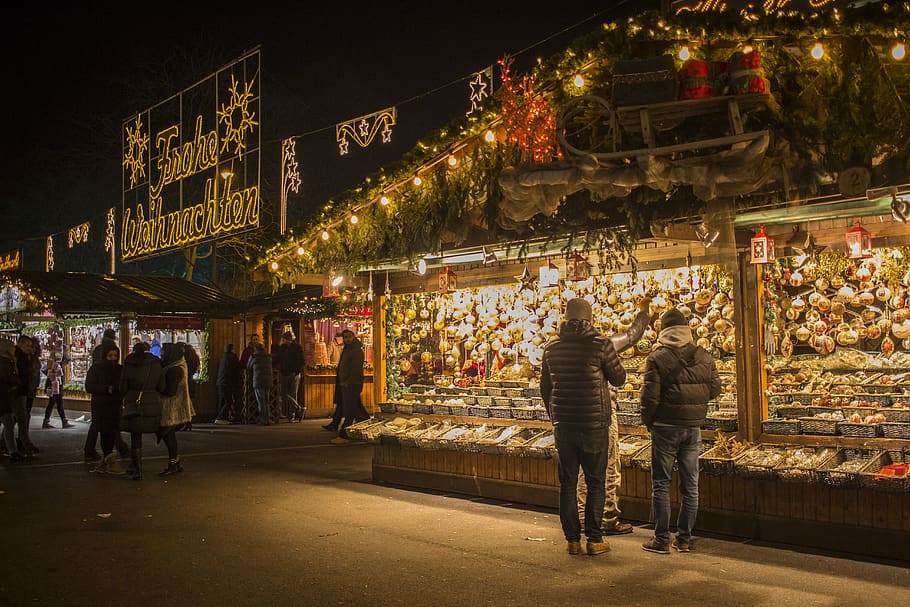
289, 386
55, 401
671, 444
262, 397
613, 479
21, 413
588, 449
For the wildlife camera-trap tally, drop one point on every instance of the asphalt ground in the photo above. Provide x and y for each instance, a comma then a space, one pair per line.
279, 516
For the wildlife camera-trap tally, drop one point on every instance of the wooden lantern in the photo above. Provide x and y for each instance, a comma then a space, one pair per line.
762, 247
549, 275
859, 242
448, 281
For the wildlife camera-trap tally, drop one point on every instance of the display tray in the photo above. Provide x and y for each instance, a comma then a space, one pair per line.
895, 414
859, 430
724, 424
628, 419
715, 463
877, 477
800, 463
896, 430
759, 462
791, 411
630, 446
819, 425
843, 469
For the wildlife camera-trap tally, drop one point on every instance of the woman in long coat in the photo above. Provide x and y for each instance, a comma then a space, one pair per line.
103, 382
142, 372
176, 406
260, 367
9, 383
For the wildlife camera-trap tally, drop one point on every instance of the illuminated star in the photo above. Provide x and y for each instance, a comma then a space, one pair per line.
237, 117
343, 146
478, 92
364, 127
526, 280
809, 251
386, 133
136, 146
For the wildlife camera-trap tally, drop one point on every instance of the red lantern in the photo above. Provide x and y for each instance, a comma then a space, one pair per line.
330, 286
578, 267
762, 247
859, 242
448, 281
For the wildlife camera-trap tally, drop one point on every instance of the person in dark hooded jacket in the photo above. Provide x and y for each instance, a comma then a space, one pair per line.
680, 379
103, 382
349, 382
577, 367
260, 369
142, 373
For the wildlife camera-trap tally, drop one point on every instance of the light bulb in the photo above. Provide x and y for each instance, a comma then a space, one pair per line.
300, 250
898, 51
452, 161
325, 235
818, 51
684, 53
418, 180
747, 49
354, 219
274, 265
422, 267
384, 201
489, 137
579, 81
337, 280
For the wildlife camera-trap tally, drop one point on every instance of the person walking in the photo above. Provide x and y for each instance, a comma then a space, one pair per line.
577, 366
103, 383
349, 382
611, 523
9, 385
142, 379
176, 404
680, 378
54, 388
29, 370
229, 383
260, 371
290, 364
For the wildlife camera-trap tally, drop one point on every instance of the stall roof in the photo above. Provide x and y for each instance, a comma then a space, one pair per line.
81, 293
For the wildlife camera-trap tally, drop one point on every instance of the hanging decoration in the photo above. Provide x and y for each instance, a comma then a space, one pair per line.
762, 248
49, 255
481, 85
859, 242
578, 267
549, 275
291, 170
526, 280
448, 281
370, 288
528, 117
330, 286
363, 130
110, 232
77, 234
9, 261
237, 117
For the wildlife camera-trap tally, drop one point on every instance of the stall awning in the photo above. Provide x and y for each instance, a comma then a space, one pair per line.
80, 293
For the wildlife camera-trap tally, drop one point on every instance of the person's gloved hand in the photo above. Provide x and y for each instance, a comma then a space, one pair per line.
645, 304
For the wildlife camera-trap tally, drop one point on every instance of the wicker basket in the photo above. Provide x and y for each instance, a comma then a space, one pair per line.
883, 400
803, 471
494, 390
387, 407
502, 401
521, 402
410, 395
724, 424
500, 412
791, 411
849, 478
638, 444
542, 414
818, 425
628, 406
479, 411
895, 414
405, 408
713, 463
418, 388
423, 408
813, 410
542, 447
513, 392
872, 478
442, 409
642, 459
628, 419
859, 430
484, 401
759, 462
513, 383
895, 430
781, 426
861, 411
523, 413
536, 401
516, 445
355, 431
531, 392
461, 410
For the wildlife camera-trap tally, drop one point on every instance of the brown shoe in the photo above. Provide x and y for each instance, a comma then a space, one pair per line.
595, 548
618, 528
573, 547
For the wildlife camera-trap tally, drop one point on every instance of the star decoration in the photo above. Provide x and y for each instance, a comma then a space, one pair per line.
809, 251
237, 116
526, 280
386, 133
479, 90
364, 129
343, 147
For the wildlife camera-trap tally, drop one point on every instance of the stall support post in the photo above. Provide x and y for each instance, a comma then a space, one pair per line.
749, 358
125, 337
379, 352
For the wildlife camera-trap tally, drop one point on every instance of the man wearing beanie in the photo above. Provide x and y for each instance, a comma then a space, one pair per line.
680, 379
577, 365
611, 523
290, 365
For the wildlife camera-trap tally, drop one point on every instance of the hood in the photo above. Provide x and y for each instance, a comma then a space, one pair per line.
676, 337
140, 358
8, 349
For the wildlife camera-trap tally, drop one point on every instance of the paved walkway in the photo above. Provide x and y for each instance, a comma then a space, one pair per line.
278, 516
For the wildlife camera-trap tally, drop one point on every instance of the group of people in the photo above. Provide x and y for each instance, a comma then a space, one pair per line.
579, 373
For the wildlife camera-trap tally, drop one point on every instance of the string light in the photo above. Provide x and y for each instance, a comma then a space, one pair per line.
274, 265
579, 81
747, 49
818, 51
325, 234
300, 250
384, 201
418, 180
452, 160
489, 137
684, 53
898, 51
354, 219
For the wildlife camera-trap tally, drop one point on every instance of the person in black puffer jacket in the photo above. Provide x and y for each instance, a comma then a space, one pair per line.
680, 379
142, 372
578, 364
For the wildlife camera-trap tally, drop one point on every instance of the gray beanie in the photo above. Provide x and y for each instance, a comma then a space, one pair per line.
672, 318
580, 309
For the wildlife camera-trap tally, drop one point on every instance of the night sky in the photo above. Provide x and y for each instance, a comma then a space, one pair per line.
79, 72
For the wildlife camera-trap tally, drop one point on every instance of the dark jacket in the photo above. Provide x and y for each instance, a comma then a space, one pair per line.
99, 351
103, 382
678, 398
577, 365
228, 370
260, 367
350, 365
142, 371
9, 378
290, 358
29, 373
